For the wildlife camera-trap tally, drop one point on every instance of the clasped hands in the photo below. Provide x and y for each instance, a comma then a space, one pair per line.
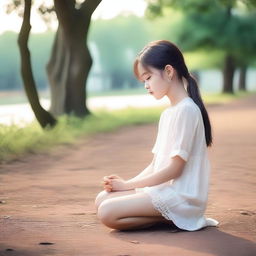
113, 183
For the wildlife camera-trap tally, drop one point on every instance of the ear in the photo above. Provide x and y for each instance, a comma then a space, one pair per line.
169, 71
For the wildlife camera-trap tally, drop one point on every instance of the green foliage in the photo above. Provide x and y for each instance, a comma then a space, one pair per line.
202, 36
40, 46
16, 141
198, 60
118, 40
9, 59
219, 25
235, 35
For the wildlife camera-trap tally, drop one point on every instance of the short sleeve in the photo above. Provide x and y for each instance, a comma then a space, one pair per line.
181, 134
155, 148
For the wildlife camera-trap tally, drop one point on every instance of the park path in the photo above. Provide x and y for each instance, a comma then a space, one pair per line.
49, 198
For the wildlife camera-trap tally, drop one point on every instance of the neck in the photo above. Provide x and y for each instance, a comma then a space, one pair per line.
176, 92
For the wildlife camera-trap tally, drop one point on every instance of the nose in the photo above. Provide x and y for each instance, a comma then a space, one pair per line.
146, 86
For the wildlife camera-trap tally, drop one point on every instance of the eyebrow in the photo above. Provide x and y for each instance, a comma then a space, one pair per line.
143, 74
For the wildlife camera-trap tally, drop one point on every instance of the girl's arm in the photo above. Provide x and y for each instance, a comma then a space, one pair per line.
172, 171
148, 170
107, 179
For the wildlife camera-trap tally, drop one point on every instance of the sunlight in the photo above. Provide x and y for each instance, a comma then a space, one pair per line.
110, 8
106, 10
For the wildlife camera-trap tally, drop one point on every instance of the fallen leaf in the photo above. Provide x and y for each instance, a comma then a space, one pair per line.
46, 243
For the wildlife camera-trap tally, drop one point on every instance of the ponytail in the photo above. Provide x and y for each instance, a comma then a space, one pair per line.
194, 93
158, 54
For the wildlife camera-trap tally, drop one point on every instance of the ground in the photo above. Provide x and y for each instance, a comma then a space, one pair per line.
47, 200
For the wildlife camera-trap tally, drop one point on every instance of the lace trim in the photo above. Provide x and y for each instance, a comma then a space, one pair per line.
169, 215
160, 206
166, 213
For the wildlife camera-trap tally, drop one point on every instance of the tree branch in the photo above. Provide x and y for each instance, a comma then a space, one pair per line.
89, 6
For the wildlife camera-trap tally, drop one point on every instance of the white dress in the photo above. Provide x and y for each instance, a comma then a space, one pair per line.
184, 199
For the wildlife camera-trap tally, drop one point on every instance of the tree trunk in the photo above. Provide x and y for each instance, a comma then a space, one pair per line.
228, 74
67, 71
70, 60
44, 117
242, 78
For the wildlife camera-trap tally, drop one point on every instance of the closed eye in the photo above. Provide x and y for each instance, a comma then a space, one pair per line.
147, 78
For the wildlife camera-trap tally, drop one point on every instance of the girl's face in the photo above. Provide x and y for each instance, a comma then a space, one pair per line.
155, 81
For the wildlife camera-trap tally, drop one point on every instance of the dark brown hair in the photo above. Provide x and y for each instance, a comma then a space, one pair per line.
158, 54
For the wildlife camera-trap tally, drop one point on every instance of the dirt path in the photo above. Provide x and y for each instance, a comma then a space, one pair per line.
50, 198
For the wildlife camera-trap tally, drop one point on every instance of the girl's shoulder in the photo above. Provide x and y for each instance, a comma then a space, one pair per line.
189, 106
186, 106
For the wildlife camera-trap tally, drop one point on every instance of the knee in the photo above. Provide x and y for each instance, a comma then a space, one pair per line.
100, 197
106, 215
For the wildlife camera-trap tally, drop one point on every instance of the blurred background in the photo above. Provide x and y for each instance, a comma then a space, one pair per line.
82, 60
212, 35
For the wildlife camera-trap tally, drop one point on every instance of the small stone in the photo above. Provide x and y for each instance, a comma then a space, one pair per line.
7, 217
2, 202
248, 213
9, 250
134, 242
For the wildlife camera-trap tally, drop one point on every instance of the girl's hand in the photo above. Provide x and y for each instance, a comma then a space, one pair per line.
113, 176
118, 185
107, 182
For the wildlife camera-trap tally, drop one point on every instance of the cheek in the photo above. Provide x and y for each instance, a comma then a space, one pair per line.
162, 86
158, 85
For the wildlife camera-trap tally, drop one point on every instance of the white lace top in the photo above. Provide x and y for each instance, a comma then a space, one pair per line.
182, 200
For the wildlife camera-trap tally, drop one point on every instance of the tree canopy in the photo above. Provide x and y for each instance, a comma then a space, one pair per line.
225, 25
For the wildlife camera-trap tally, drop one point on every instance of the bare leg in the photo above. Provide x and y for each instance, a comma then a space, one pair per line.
103, 195
129, 212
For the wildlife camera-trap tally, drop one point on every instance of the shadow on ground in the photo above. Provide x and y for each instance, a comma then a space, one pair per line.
209, 240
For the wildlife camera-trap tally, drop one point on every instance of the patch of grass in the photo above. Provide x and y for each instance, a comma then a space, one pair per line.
217, 98
16, 141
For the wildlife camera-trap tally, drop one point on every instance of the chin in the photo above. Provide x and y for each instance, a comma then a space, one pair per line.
158, 97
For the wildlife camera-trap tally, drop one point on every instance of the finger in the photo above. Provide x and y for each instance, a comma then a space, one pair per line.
108, 190
108, 187
113, 176
105, 182
106, 179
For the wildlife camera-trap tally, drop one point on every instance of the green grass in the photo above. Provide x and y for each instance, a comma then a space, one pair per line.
16, 141
219, 98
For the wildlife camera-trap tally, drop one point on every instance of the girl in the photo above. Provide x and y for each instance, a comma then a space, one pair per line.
174, 187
